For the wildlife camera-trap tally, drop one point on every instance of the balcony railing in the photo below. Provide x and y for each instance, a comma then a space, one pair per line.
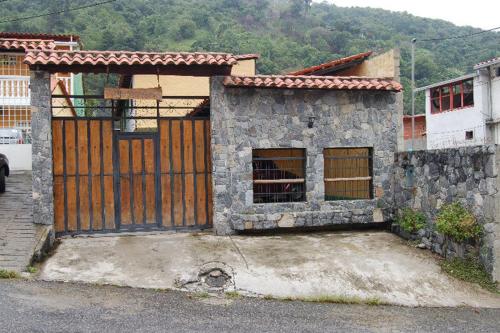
15, 90
67, 83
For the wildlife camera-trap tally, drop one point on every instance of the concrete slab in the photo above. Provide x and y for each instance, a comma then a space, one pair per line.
352, 264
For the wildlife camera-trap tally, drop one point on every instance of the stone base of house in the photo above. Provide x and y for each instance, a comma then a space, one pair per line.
267, 221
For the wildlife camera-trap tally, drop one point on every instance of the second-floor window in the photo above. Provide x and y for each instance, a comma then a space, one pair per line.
7, 60
452, 96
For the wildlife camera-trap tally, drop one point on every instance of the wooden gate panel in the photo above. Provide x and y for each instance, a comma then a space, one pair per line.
163, 178
81, 183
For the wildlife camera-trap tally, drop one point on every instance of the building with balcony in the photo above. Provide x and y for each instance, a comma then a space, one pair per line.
15, 111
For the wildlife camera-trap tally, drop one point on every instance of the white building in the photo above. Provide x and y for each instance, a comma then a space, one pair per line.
464, 111
15, 100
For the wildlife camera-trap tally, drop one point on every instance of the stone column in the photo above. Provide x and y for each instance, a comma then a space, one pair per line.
41, 129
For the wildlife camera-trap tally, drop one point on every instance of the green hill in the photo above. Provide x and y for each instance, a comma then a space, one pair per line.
288, 34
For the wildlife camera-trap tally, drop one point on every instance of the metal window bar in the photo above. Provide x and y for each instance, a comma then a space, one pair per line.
15, 113
348, 174
278, 175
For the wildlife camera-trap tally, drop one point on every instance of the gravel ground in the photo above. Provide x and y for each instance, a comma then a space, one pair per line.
34, 306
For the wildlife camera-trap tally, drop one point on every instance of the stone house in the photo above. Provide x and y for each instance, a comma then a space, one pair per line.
308, 149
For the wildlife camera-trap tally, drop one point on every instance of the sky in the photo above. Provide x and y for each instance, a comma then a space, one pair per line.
478, 13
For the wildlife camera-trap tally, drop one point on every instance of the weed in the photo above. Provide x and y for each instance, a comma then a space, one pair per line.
31, 269
411, 220
469, 270
4, 274
457, 222
232, 294
202, 294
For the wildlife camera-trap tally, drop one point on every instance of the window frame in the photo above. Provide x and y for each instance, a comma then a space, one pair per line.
256, 182
7, 60
436, 94
369, 178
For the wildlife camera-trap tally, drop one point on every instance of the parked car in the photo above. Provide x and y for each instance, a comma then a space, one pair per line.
11, 136
4, 171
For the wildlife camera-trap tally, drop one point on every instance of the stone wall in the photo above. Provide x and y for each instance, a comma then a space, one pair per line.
243, 119
41, 127
425, 180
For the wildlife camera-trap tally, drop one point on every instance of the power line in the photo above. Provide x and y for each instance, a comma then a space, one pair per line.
458, 37
56, 12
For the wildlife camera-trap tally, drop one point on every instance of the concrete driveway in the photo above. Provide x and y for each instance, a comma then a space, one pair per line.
349, 264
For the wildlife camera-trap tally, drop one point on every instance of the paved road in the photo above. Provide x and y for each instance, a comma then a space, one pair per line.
17, 231
31, 306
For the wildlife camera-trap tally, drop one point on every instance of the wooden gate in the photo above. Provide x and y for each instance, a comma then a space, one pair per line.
109, 181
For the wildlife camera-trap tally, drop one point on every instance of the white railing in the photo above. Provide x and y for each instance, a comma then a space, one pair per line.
67, 83
15, 90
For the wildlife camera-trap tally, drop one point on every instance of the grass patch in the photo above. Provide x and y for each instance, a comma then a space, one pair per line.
4, 274
336, 299
31, 269
202, 294
469, 270
232, 294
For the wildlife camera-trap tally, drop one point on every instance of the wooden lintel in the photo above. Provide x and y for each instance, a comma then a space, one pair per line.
133, 93
181, 70
346, 179
279, 181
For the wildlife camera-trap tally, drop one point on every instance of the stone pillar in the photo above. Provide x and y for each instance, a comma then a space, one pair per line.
41, 129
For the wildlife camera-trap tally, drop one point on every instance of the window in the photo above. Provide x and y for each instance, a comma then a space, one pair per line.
348, 173
278, 175
7, 60
452, 96
469, 135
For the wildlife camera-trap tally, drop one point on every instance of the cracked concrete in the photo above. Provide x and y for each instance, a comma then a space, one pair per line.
352, 264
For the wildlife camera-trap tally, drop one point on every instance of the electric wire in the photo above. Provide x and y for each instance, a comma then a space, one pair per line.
57, 12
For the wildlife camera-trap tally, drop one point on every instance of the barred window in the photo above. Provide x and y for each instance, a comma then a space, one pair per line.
278, 175
348, 173
7, 60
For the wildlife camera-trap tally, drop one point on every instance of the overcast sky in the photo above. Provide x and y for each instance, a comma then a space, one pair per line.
478, 13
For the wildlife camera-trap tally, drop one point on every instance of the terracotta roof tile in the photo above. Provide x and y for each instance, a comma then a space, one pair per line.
332, 64
39, 36
25, 44
51, 57
313, 82
247, 56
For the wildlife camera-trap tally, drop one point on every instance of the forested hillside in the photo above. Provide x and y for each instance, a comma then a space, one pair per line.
288, 34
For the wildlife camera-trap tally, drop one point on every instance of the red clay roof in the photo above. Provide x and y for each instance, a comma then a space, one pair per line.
247, 56
313, 82
126, 58
28, 35
25, 44
332, 64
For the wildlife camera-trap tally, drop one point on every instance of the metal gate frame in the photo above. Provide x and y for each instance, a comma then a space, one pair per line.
129, 136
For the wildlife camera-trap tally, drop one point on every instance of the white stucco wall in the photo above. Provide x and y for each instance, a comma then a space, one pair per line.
447, 129
19, 156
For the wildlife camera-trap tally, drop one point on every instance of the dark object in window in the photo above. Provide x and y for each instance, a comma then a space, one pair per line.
348, 173
469, 135
278, 175
452, 96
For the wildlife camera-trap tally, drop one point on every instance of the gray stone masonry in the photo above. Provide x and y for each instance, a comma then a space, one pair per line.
243, 119
41, 115
425, 180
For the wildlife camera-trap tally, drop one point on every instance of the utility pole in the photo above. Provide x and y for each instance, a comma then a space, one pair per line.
413, 42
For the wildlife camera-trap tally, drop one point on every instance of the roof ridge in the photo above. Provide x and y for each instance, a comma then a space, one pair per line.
332, 63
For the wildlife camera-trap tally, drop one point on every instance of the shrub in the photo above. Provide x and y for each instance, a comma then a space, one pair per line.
411, 220
457, 222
